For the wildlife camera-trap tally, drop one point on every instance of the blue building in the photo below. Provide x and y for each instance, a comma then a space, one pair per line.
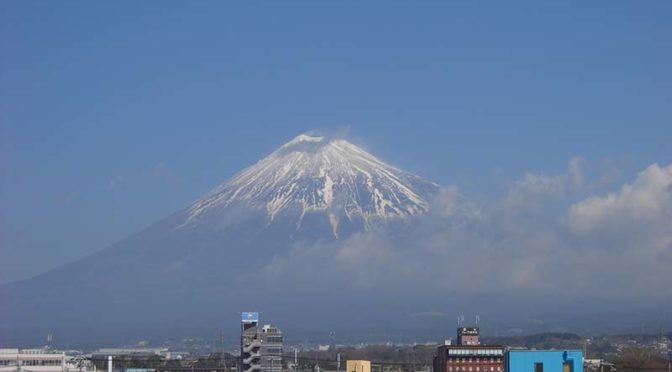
544, 361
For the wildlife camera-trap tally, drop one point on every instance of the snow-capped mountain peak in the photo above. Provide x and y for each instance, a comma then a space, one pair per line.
317, 174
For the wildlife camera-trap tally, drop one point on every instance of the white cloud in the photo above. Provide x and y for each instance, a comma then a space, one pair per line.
645, 204
611, 246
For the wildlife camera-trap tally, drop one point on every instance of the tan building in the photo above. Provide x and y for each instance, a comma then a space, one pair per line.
358, 366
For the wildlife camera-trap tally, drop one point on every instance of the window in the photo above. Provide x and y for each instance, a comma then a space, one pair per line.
538, 367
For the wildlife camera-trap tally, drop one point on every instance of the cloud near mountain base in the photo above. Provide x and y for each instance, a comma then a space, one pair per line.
612, 246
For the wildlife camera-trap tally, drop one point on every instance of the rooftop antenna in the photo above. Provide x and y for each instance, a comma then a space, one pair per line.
478, 319
50, 338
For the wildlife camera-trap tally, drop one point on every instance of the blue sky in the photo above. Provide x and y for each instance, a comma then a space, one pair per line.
114, 115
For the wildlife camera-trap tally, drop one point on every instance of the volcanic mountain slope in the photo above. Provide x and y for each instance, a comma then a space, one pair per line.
313, 188
313, 176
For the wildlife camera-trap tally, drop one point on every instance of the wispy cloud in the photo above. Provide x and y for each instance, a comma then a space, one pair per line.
158, 172
535, 187
116, 182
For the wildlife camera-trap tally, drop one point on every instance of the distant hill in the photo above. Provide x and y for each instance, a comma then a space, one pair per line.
540, 341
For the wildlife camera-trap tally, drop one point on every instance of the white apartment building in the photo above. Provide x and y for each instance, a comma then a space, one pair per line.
31, 360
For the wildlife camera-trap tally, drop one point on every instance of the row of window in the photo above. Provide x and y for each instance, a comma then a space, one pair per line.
474, 360
31, 351
475, 352
53, 362
476, 369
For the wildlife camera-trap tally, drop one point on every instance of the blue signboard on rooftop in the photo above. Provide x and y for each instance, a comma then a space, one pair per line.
250, 317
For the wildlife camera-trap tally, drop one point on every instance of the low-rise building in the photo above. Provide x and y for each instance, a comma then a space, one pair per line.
597, 365
358, 366
544, 361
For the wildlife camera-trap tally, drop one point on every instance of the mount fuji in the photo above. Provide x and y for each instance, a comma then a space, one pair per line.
180, 273
317, 178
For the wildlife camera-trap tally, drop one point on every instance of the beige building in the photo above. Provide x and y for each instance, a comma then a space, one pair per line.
358, 366
31, 360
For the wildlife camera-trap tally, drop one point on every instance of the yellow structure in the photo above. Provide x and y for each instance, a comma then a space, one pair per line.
358, 366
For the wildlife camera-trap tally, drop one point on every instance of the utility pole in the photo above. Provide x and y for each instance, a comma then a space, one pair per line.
221, 355
332, 343
221, 342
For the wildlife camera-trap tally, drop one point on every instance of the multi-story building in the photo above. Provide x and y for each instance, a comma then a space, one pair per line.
468, 355
260, 348
250, 344
31, 360
470, 358
271, 349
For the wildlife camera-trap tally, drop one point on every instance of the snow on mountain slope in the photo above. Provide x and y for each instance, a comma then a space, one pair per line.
320, 174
